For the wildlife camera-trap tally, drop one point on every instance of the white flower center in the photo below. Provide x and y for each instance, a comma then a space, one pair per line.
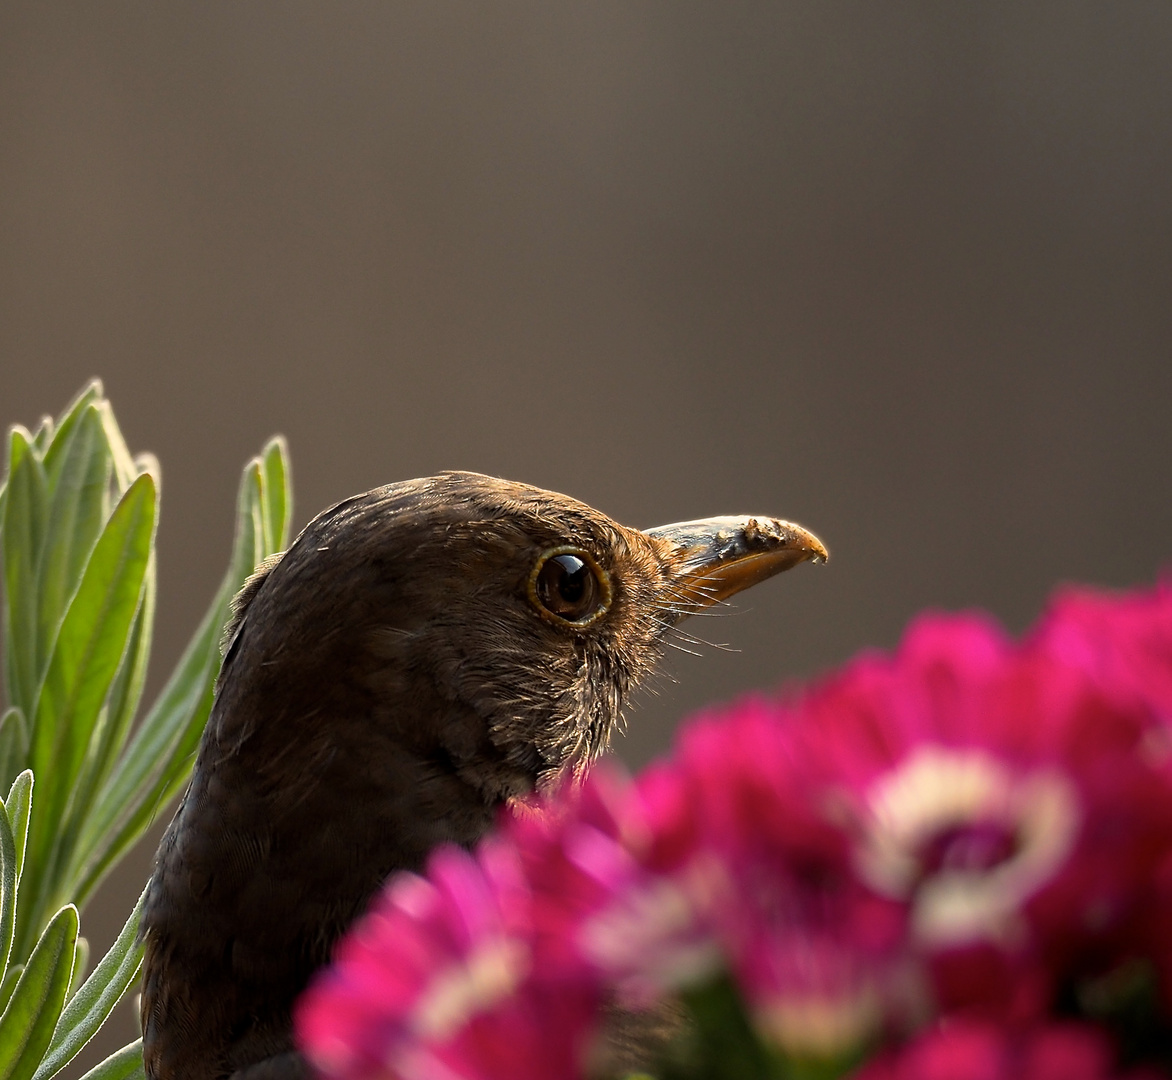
967, 837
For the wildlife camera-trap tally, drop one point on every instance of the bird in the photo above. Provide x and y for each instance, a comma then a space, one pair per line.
421, 655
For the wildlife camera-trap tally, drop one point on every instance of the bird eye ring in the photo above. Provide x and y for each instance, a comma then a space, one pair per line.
568, 586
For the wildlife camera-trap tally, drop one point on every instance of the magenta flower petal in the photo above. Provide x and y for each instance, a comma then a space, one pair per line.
605, 902
1123, 640
440, 981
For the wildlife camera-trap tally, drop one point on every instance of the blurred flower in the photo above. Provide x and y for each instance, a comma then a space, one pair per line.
1121, 640
439, 982
976, 1050
603, 903
999, 792
810, 945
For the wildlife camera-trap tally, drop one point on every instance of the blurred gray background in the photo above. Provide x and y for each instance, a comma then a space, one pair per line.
899, 271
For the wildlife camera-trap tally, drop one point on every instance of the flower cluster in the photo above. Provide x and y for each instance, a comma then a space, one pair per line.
950, 862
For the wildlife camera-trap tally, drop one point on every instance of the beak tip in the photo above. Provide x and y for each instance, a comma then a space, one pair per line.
723, 556
785, 534
818, 552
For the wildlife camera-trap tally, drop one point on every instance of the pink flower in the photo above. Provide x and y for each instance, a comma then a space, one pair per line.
1002, 794
442, 981
1123, 641
714, 861
809, 944
604, 904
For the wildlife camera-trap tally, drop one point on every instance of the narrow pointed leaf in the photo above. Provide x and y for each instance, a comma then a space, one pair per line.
18, 806
248, 549
125, 469
8, 882
66, 422
124, 1064
278, 494
78, 505
95, 1000
23, 533
32, 1013
13, 745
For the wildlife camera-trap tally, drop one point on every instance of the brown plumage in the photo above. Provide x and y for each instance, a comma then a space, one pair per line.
421, 654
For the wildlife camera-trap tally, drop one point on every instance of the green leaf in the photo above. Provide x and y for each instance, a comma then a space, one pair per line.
32, 1013
8, 883
19, 806
250, 519
85, 659
157, 760
126, 690
124, 1064
95, 1000
278, 494
110, 733
78, 506
13, 745
125, 469
90, 393
94, 632
81, 958
23, 531
42, 435
8, 984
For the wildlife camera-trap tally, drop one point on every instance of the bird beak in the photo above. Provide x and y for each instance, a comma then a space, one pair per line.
719, 557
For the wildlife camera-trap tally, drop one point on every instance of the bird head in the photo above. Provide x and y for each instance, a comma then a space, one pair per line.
495, 614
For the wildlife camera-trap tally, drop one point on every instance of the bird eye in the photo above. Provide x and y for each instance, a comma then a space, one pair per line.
570, 586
